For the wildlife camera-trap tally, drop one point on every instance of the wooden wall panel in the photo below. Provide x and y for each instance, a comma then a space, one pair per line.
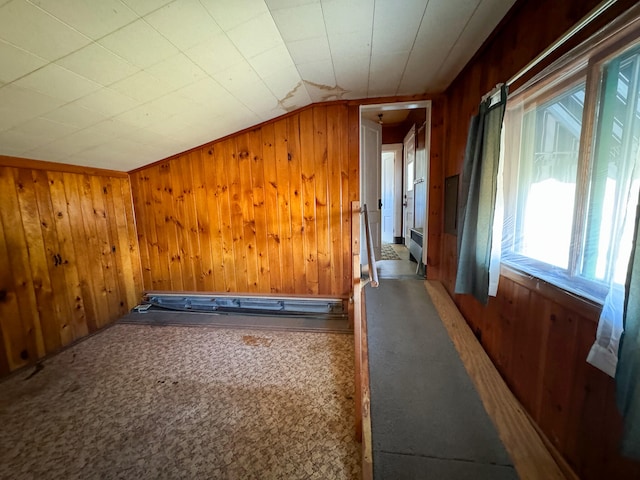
265, 211
69, 261
537, 337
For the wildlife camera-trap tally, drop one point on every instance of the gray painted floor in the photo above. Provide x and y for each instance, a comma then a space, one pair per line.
427, 419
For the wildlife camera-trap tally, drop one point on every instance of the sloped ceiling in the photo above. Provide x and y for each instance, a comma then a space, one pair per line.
122, 83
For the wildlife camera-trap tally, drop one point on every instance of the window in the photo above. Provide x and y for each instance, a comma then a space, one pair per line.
572, 171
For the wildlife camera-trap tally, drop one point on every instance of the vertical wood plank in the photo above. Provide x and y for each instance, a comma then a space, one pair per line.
75, 325
220, 238
60, 294
206, 234
137, 223
296, 210
310, 235
32, 346
259, 213
100, 310
105, 250
47, 331
115, 253
246, 201
231, 213
158, 245
285, 211
86, 267
322, 214
335, 159
128, 278
189, 220
169, 224
271, 207
182, 254
14, 342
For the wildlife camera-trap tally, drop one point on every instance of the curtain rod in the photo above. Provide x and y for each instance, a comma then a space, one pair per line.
495, 90
586, 20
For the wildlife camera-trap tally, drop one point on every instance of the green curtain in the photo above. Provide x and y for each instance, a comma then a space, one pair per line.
628, 368
478, 195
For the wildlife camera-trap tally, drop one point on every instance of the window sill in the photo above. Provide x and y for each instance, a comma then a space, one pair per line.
587, 307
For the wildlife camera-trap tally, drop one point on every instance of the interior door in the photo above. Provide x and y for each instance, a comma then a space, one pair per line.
388, 180
408, 183
370, 161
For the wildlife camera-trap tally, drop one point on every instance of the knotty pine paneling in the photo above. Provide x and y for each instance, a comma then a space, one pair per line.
537, 338
263, 211
69, 261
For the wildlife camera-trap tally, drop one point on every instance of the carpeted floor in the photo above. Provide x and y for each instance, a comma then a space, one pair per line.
147, 402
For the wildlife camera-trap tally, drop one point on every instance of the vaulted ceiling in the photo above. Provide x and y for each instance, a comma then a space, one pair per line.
122, 83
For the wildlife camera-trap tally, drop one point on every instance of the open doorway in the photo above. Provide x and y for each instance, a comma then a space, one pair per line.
394, 156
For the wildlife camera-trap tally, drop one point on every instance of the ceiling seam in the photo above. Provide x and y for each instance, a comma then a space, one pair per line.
373, 21
415, 38
458, 39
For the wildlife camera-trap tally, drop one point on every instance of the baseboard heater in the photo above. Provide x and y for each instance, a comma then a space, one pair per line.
229, 304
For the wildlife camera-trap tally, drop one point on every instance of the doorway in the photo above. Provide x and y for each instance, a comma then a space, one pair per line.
390, 186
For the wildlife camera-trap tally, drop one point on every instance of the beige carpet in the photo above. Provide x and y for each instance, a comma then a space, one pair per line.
145, 402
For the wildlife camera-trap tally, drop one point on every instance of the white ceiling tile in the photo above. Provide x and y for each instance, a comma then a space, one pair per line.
240, 76
18, 141
173, 103
94, 19
277, 4
139, 44
354, 16
184, 22
298, 23
204, 92
168, 127
47, 129
31, 102
282, 82
476, 30
257, 98
142, 116
58, 82
309, 50
74, 115
352, 44
107, 102
215, 54
231, 13
145, 136
142, 86
46, 152
256, 35
177, 71
26, 26
296, 98
385, 74
79, 141
199, 115
110, 128
352, 74
142, 7
395, 29
98, 64
17, 62
318, 72
272, 61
